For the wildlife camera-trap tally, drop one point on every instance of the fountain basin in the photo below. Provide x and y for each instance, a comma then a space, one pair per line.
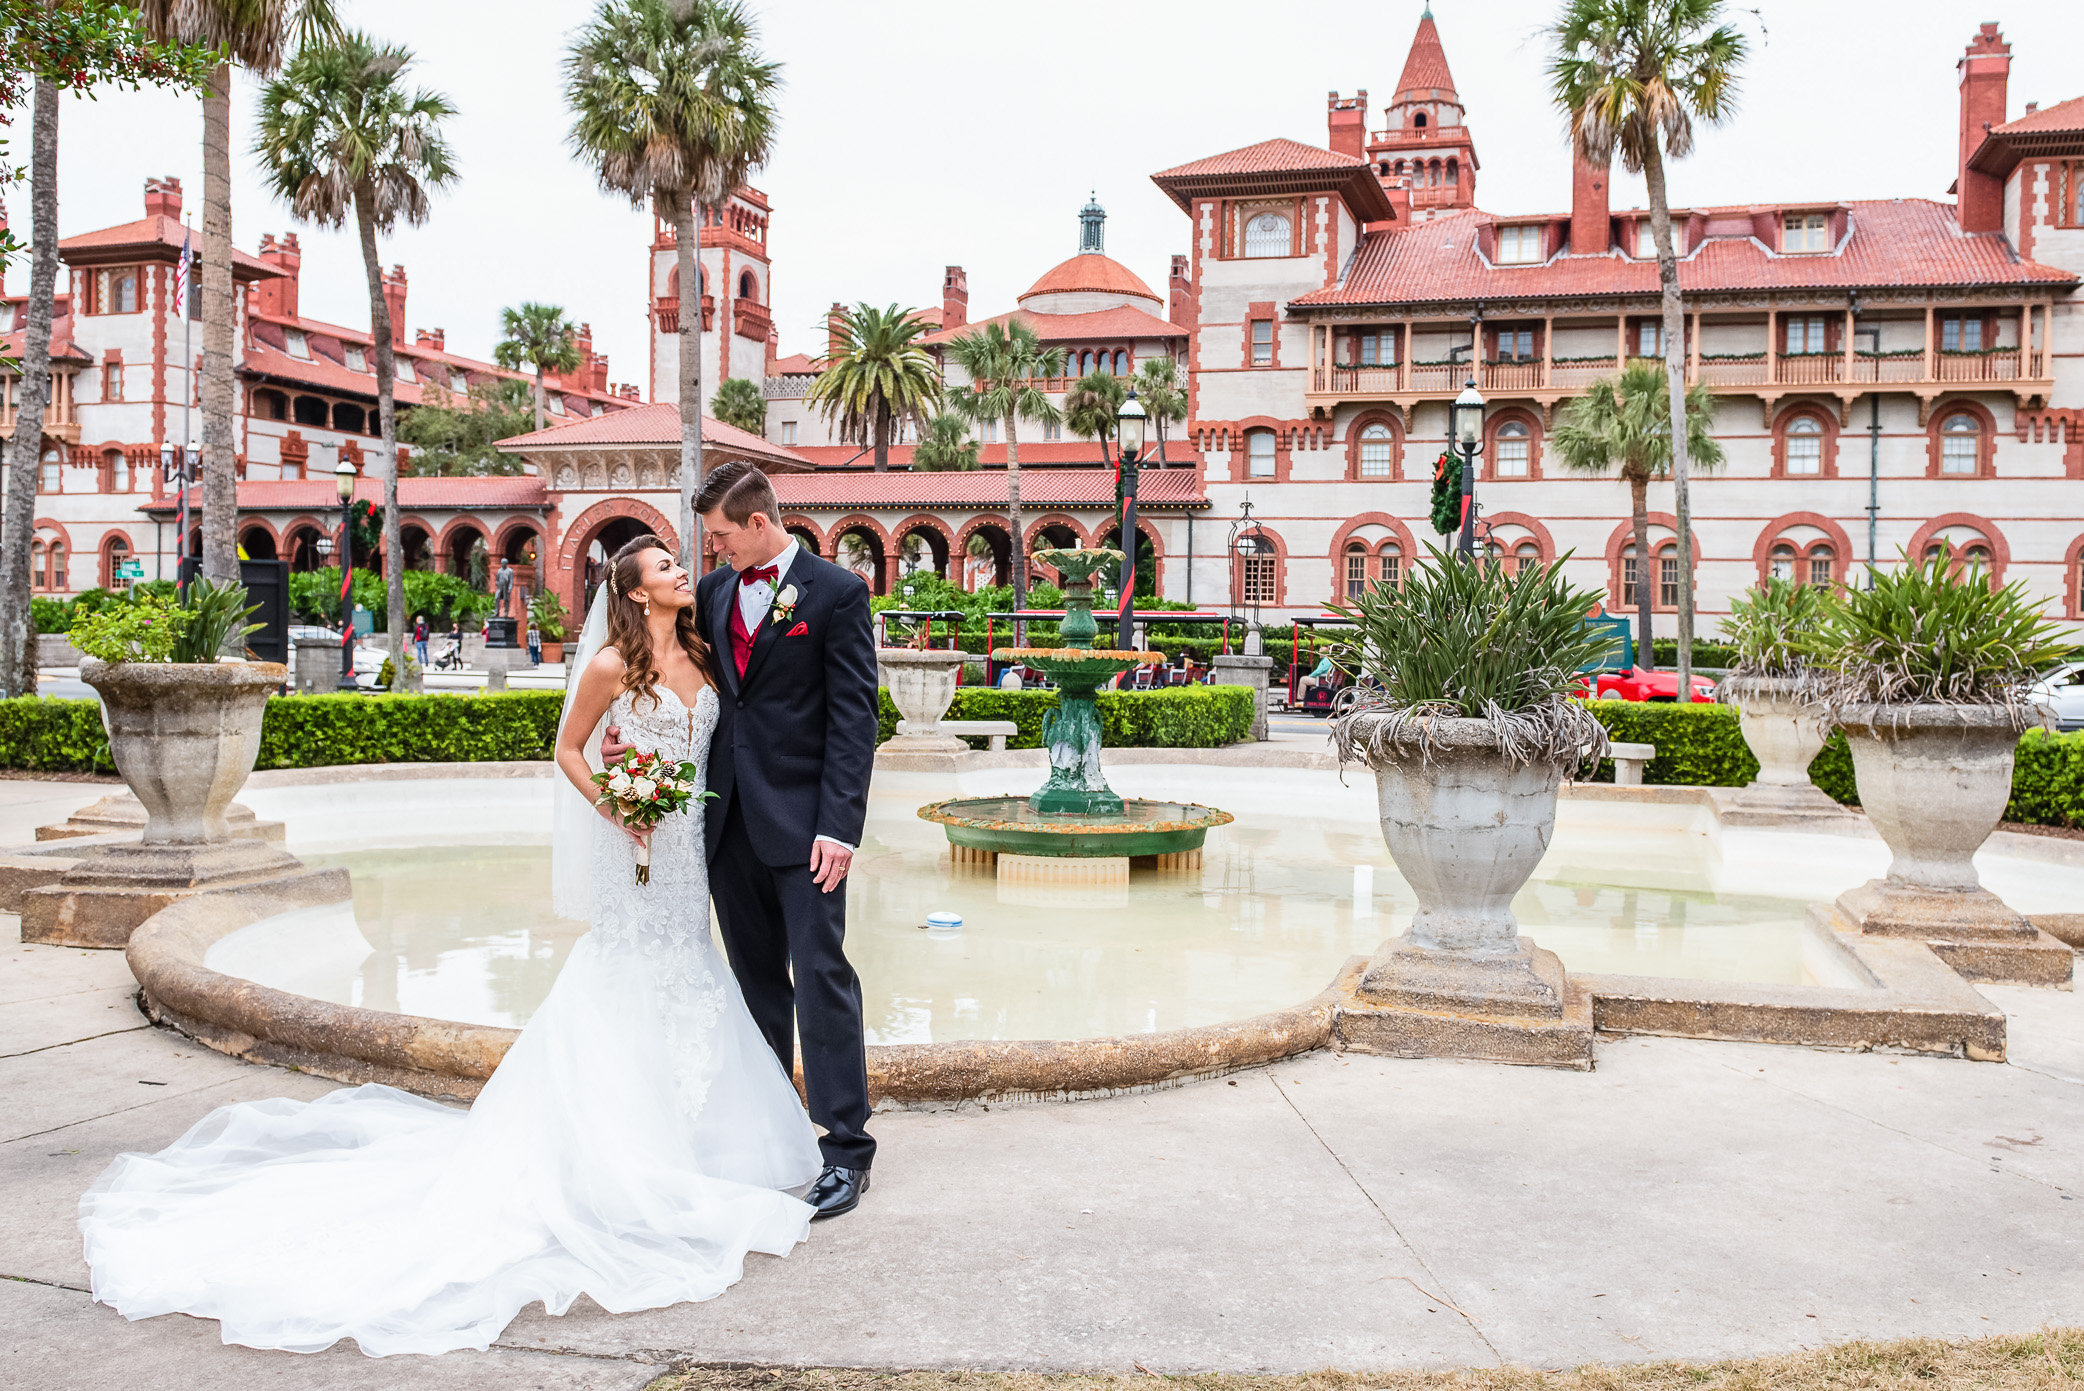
1008, 825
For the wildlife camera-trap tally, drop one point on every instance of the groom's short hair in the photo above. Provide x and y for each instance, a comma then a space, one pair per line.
740, 490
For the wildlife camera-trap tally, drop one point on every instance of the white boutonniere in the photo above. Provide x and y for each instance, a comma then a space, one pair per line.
784, 604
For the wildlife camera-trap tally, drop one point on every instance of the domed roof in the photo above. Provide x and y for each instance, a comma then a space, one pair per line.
1091, 273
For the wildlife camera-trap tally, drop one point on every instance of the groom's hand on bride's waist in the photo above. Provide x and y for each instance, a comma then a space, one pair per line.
612, 746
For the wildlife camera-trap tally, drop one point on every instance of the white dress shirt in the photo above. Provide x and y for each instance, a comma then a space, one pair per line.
756, 601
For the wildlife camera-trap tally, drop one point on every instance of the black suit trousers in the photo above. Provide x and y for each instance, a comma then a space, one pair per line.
778, 924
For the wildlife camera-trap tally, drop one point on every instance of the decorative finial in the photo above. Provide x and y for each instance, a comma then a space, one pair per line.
1091, 226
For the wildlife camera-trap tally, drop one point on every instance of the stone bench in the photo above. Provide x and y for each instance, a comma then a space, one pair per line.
998, 731
1628, 762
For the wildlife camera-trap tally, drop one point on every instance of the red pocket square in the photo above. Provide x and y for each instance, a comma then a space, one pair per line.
801, 630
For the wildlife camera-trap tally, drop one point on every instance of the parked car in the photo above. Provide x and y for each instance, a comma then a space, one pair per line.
1634, 683
2061, 693
308, 631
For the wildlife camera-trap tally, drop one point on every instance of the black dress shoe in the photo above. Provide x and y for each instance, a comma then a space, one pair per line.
837, 1190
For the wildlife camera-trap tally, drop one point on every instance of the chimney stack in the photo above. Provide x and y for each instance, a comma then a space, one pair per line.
1181, 297
1347, 118
835, 332
163, 198
955, 298
432, 338
1985, 68
278, 295
1591, 217
394, 301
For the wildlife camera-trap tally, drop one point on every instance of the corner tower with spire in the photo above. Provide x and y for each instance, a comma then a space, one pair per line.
1424, 154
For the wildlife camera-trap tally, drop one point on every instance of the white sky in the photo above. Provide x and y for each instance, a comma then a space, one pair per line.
921, 133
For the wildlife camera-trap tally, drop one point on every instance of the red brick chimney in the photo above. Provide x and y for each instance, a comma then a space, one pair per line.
1181, 311
1985, 69
163, 198
394, 301
1347, 119
433, 338
1591, 217
955, 298
628, 392
278, 296
835, 334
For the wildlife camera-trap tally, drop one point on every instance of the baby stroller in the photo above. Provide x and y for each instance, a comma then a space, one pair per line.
450, 656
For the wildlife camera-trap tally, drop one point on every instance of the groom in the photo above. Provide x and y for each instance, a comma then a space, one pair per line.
789, 764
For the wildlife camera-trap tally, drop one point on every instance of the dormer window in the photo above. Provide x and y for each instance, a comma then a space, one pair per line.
1805, 232
1520, 245
554, 403
357, 360
405, 371
1645, 240
459, 380
296, 344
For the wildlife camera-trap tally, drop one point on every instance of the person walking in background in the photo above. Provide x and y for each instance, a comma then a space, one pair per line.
535, 644
419, 637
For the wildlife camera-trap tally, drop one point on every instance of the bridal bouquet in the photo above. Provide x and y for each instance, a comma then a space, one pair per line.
644, 789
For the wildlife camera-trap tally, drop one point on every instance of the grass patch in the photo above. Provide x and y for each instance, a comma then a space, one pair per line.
2050, 1360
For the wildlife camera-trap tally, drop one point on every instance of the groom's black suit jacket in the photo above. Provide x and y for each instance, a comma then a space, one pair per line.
796, 736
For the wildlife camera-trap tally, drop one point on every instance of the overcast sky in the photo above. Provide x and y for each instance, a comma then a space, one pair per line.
922, 133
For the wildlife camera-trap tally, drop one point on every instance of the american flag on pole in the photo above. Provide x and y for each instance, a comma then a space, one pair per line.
181, 269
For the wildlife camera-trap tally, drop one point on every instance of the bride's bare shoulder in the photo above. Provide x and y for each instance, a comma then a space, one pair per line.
605, 670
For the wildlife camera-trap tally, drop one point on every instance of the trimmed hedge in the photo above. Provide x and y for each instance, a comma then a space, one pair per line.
1181, 717
1702, 745
50, 734
313, 731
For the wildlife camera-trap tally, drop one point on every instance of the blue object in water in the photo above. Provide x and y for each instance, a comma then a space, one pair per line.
944, 920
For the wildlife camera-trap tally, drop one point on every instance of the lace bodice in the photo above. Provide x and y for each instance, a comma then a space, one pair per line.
678, 853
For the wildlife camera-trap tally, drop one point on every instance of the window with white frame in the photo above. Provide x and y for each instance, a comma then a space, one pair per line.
405, 370
1805, 436
1389, 564
788, 432
1524, 555
1375, 348
1805, 232
357, 360
459, 380
988, 431
1822, 560
1052, 430
1268, 234
1511, 445
112, 381
1960, 444
1519, 245
47, 475
1259, 454
1378, 457
296, 344
118, 471
1649, 338
1262, 342
1645, 240
1780, 562
1668, 576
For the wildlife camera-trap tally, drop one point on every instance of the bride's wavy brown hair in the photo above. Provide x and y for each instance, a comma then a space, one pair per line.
628, 632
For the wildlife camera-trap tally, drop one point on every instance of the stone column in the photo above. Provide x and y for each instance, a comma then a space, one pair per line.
1248, 671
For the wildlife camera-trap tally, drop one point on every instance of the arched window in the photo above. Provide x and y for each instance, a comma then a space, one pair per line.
1261, 562
1960, 444
1400, 169
117, 553
37, 578
1105, 365
1511, 444
1356, 569
1259, 454
1121, 363
116, 466
1268, 234
1085, 364
1383, 169
748, 288
47, 471
1378, 458
310, 410
1976, 553
1781, 563
1667, 596
1418, 122
1433, 173
1454, 172
1389, 563
1822, 561
1805, 446
59, 583
1526, 553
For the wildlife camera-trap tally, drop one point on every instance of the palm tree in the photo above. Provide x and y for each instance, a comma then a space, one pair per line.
1164, 397
339, 133
1625, 423
672, 101
1634, 75
876, 376
945, 444
1002, 360
739, 401
254, 34
1090, 407
538, 334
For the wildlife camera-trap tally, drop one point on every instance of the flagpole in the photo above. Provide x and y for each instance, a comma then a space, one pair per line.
187, 402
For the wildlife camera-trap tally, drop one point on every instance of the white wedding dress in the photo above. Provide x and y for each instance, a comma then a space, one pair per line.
631, 1147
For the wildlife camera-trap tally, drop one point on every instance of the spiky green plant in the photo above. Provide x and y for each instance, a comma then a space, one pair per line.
1477, 642
216, 619
1768, 624
1935, 633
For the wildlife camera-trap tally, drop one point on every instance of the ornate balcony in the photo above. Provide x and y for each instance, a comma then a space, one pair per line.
666, 309
749, 319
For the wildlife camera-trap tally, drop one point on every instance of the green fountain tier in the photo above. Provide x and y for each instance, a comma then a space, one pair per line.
1075, 815
1010, 825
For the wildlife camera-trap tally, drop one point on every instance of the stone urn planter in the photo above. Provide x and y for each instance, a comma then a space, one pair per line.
1786, 729
1934, 780
922, 686
1467, 826
184, 737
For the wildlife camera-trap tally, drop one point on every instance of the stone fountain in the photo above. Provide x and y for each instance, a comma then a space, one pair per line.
1074, 828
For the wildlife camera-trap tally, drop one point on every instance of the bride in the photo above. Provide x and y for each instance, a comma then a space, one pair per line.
633, 1146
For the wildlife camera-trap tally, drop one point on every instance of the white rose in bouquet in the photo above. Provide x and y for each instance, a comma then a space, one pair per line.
642, 789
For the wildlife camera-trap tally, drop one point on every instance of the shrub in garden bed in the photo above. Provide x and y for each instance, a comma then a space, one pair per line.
317, 731
1701, 746
47, 734
1183, 717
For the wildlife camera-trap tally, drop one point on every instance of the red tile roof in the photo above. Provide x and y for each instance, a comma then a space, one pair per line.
657, 423
1055, 453
1275, 167
319, 495
981, 490
1091, 273
1097, 325
1906, 242
319, 370
794, 365
2064, 116
63, 348
1425, 70
161, 234
2059, 130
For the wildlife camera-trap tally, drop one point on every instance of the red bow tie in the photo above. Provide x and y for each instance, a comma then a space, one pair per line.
768, 573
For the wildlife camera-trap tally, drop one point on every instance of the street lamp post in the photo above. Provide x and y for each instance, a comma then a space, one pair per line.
344, 480
1873, 335
1129, 424
180, 467
1465, 427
